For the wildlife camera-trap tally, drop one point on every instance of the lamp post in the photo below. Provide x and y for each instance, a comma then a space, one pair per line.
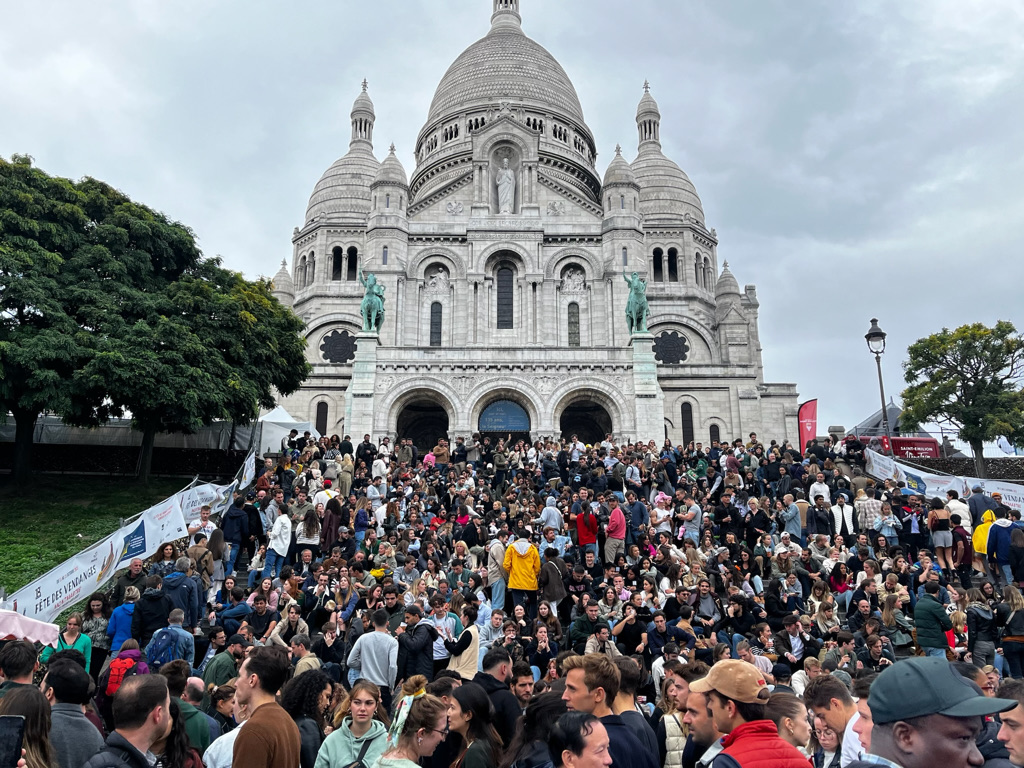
875, 338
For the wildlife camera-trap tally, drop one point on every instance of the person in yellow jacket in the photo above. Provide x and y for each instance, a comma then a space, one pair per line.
522, 562
980, 541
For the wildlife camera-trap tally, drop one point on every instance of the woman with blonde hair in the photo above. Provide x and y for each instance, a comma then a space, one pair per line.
420, 725
898, 627
1010, 616
72, 638
418, 594
345, 474
360, 729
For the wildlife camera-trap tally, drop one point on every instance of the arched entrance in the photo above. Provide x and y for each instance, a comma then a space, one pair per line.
502, 418
588, 420
424, 422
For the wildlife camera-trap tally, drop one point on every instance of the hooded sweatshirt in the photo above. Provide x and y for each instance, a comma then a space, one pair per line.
150, 615
342, 748
551, 517
522, 562
999, 541
235, 525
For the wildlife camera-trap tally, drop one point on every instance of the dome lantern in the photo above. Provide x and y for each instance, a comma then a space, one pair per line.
506, 14
363, 118
648, 118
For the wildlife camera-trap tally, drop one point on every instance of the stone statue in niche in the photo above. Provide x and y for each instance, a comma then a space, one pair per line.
506, 182
437, 281
574, 281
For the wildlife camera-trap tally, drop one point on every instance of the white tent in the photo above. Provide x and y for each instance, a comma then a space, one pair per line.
275, 425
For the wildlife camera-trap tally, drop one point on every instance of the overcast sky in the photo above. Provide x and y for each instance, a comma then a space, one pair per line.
857, 159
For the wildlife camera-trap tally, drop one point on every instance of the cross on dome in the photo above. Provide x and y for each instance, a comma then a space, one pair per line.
618, 150
392, 147
647, 86
365, 85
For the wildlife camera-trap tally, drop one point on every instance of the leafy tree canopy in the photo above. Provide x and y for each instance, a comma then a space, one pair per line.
968, 378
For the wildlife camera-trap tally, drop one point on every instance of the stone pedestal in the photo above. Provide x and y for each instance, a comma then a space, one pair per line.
649, 403
359, 398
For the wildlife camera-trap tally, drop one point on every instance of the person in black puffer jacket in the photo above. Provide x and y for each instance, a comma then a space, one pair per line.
982, 631
151, 611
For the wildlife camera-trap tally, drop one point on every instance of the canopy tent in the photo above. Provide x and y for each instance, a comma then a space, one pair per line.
14, 626
276, 424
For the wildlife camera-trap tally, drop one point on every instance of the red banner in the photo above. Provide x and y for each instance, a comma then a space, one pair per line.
807, 417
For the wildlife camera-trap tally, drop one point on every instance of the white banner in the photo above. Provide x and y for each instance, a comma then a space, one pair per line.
935, 485
248, 471
90, 570
193, 499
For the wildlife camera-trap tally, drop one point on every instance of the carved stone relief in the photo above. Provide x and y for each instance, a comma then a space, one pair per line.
454, 207
574, 280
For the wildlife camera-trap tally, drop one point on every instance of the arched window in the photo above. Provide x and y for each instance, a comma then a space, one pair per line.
337, 263
506, 297
353, 264
673, 265
384, 256
387, 201
659, 267
436, 311
698, 273
321, 418
716, 433
687, 414
574, 324
300, 274
622, 202
625, 256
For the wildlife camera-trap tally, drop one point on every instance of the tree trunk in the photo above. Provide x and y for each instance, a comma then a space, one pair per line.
978, 449
25, 427
146, 453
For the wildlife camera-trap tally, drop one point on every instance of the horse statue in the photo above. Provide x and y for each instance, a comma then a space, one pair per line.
636, 307
372, 307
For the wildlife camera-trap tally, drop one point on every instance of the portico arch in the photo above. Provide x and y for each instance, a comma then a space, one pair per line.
424, 415
588, 413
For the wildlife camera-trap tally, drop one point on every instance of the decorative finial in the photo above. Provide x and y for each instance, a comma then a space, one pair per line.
365, 85
392, 147
725, 265
618, 150
647, 87
284, 263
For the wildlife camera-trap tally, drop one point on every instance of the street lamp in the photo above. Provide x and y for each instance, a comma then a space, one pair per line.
875, 338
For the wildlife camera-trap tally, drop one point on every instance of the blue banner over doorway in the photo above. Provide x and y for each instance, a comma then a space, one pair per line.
504, 416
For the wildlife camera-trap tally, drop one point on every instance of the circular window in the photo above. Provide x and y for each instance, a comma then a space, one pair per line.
338, 347
671, 348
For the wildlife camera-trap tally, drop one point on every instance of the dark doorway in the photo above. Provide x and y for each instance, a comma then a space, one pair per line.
321, 418
424, 422
587, 420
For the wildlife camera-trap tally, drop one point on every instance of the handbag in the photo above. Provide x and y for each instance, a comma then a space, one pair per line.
362, 754
1002, 629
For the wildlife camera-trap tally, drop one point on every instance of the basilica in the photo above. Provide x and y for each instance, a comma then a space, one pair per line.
505, 262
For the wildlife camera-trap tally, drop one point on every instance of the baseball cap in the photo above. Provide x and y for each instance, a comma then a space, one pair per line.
734, 679
237, 639
918, 687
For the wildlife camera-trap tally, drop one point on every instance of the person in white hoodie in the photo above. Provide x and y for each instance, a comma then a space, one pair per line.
550, 517
279, 540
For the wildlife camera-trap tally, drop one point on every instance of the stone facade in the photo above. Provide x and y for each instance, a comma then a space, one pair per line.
503, 261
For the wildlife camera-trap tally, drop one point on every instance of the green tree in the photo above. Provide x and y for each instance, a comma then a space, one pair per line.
968, 378
107, 306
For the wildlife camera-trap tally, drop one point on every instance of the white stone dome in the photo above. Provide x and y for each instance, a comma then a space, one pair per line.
619, 171
726, 285
345, 186
391, 172
282, 285
505, 65
664, 189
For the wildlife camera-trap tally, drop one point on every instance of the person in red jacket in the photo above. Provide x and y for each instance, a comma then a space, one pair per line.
587, 524
615, 532
736, 694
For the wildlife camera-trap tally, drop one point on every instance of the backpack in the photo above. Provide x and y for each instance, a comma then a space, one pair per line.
118, 670
161, 649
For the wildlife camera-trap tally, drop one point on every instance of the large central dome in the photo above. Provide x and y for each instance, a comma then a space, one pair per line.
505, 65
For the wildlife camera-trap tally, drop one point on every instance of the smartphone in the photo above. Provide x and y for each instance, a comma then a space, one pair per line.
12, 730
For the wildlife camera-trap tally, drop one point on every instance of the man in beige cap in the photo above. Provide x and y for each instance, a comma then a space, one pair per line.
736, 694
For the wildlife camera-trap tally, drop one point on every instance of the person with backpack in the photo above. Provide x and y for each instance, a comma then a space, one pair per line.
183, 591
119, 628
126, 664
171, 643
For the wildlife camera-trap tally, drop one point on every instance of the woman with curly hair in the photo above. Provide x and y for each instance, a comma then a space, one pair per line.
306, 698
163, 560
97, 618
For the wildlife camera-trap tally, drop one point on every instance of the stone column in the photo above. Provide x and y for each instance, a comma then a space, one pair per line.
649, 400
359, 397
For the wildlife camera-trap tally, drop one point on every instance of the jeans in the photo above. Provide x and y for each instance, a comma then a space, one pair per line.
233, 550
940, 652
1013, 654
1007, 574
592, 547
526, 598
274, 563
984, 653
498, 595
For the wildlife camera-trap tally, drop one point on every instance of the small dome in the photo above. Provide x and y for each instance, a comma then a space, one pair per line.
363, 102
391, 172
665, 191
345, 186
726, 285
282, 282
647, 107
619, 171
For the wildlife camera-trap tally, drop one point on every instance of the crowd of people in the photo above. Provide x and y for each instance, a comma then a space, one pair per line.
496, 603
